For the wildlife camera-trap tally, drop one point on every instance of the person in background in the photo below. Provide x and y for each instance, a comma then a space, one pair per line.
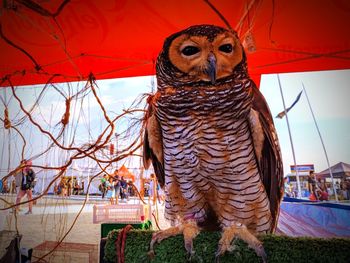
131, 191
16, 183
329, 189
13, 187
343, 192
292, 191
55, 189
347, 187
323, 195
312, 186
110, 190
102, 186
27, 184
154, 188
5, 189
116, 188
286, 188
76, 188
62, 187
69, 187
123, 188
83, 187
337, 187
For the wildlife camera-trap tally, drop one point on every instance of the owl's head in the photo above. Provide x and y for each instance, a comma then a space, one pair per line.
200, 54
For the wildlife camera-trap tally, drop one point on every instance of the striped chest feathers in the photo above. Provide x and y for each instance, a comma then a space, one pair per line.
206, 130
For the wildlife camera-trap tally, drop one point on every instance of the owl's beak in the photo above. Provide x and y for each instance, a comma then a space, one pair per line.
211, 69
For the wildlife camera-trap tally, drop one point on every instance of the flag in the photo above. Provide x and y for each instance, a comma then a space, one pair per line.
282, 113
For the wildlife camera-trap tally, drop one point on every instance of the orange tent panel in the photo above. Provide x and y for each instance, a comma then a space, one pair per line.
123, 171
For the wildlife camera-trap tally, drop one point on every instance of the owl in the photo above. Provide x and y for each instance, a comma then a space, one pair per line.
211, 140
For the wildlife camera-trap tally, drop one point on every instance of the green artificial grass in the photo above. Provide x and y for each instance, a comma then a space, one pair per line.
278, 249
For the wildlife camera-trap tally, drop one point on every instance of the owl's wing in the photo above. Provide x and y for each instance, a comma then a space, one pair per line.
153, 145
267, 151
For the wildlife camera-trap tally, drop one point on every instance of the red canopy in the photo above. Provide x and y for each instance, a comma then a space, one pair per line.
66, 40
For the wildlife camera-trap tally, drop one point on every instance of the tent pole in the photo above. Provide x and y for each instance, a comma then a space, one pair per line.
324, 148
290, 138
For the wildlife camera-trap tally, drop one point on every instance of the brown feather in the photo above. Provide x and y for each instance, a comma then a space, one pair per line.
257, 133
153, 143
270, 160
155, 137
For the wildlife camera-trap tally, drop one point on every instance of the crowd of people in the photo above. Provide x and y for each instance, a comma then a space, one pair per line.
318, 189
114, 188
67, 187
343, 188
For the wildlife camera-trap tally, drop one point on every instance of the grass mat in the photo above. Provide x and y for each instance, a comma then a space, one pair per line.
278, 249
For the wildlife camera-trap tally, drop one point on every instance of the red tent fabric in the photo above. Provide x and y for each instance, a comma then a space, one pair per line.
66, 40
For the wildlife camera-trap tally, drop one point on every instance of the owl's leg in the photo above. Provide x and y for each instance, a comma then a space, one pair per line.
239, 230
189, 230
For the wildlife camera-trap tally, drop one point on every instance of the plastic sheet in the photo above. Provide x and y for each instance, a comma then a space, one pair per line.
314, 220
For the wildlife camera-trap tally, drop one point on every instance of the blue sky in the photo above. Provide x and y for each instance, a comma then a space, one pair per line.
328, 92
329, 95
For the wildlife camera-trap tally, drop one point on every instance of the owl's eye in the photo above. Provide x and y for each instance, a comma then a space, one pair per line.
227, 48
190, 50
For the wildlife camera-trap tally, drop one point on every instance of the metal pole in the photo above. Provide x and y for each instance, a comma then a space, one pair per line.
43, 181
324, 148
88, 181
290, 138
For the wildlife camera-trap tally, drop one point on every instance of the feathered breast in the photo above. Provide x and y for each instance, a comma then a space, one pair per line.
231, 97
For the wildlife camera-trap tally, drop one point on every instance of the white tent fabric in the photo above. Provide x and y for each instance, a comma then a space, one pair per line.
340, 169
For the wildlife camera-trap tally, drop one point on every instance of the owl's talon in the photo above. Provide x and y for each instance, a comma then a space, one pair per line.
151, 254
155, 239
238, 230
189, 231
189, 247
260, 251
190, 256
219, 252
